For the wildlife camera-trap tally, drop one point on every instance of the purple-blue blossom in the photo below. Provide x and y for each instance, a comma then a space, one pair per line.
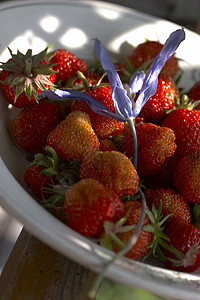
125, 106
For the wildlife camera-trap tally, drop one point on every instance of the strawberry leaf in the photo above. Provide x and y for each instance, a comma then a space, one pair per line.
39, 57
19, 90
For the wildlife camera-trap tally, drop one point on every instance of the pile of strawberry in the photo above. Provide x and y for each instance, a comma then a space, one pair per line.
82, 168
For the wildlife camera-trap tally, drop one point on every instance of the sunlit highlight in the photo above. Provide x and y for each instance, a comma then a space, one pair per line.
80, 242
49, 24
74, 38
26, 40
108, 14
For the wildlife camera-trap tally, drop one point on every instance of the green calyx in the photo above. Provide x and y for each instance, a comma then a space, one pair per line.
84, 85
28, 72
159, 238
184, 259
111, 229
136, 196
184, 102
65, 175
161, 241
129, 70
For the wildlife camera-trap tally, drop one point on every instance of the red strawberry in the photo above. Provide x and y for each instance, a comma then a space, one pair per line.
67, 64
104, 127
162, 178
186, 126
24, 76
154, 110
48, 171
185, 254
74, 137
113, 169
147, 51
155, 147
107, 145
33, 124
144, 239
88, 204
79, 105
194, 93
38, 181
121, 68
186, 177
172, 203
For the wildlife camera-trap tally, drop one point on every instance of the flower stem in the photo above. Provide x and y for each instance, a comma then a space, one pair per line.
94, 290
134, 136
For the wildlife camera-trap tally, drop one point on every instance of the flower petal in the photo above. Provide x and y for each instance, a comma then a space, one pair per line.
122, 103
96, 106
121, 108
151, 80
136, 81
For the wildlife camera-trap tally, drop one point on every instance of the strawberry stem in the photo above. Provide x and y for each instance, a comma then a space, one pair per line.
28, 68
54, 155
83, 79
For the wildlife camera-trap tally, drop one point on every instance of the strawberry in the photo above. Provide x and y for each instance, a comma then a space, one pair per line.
186, 126
66, 64
186, 177
33, 124
147, 51
194, 93
107, 145
79, 105
88, 204
154, 110
74, 137
49, 177
121, 68
113, 169
103, 126
24, 76
172, 203
184, 253
162, 178
141, 247
155, 147
38, 181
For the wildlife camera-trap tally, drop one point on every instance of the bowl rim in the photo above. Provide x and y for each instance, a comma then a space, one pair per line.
75, 246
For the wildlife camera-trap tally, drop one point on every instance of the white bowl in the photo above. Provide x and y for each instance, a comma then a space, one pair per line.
73, 25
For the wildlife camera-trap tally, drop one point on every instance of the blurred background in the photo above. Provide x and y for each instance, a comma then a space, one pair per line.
183, 12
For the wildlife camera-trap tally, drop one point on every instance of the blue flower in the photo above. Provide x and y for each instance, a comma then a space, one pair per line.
126, 109
125, 106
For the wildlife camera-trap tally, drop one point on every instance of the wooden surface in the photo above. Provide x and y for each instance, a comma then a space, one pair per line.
36, 272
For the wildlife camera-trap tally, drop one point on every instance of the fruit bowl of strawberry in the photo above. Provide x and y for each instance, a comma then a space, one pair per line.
100, 139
